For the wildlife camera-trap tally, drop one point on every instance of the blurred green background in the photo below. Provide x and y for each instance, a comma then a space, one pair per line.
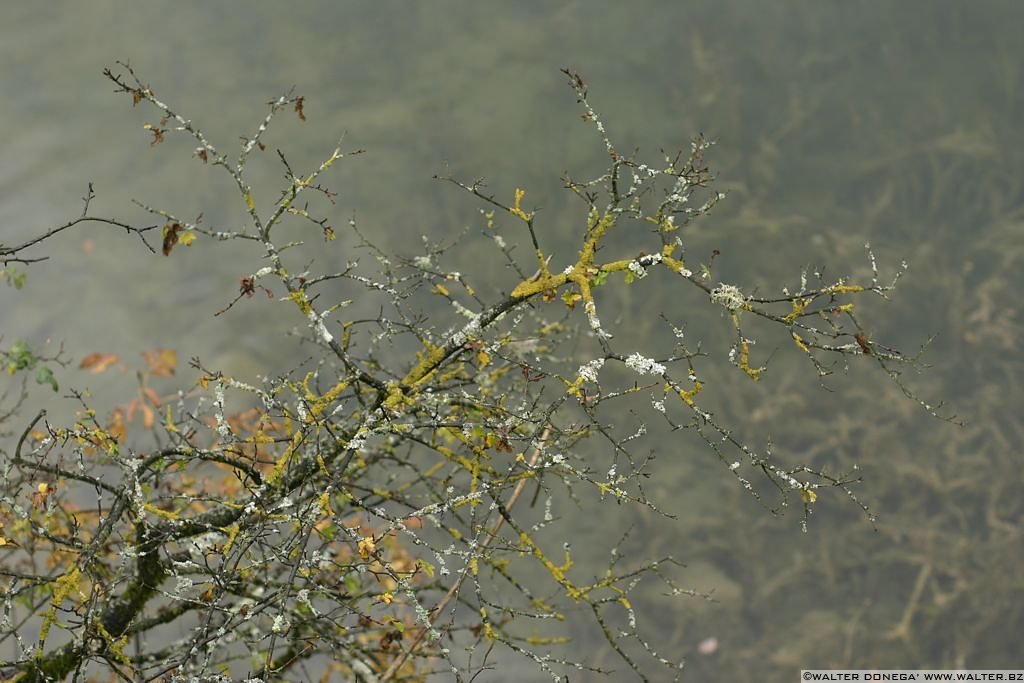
837, 124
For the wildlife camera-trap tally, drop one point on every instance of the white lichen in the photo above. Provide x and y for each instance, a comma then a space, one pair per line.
728, 296
588, 371
644, 366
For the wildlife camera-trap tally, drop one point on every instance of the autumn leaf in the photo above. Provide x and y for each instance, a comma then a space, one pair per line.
158, 134
117, 429
137, 404
298, 108
99, 362
863, 342
147, 416
129, 410
171, 232
42, 493
161, 362
153, 397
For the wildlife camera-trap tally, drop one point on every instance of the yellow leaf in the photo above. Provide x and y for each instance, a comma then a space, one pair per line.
187, 238
807, 494
366, 546
161, 362
249, 202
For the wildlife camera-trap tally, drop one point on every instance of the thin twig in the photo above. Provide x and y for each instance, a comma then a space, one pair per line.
454, 590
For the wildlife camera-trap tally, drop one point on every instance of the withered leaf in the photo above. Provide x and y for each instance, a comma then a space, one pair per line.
158, 134
171, 232
98, 362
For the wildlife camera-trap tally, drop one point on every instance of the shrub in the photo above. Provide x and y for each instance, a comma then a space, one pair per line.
362, 512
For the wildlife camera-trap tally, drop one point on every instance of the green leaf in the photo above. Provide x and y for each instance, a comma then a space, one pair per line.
13, 277
44, 375
20, 357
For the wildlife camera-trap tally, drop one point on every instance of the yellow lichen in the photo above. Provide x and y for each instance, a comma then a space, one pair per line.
687, 394
517, 210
